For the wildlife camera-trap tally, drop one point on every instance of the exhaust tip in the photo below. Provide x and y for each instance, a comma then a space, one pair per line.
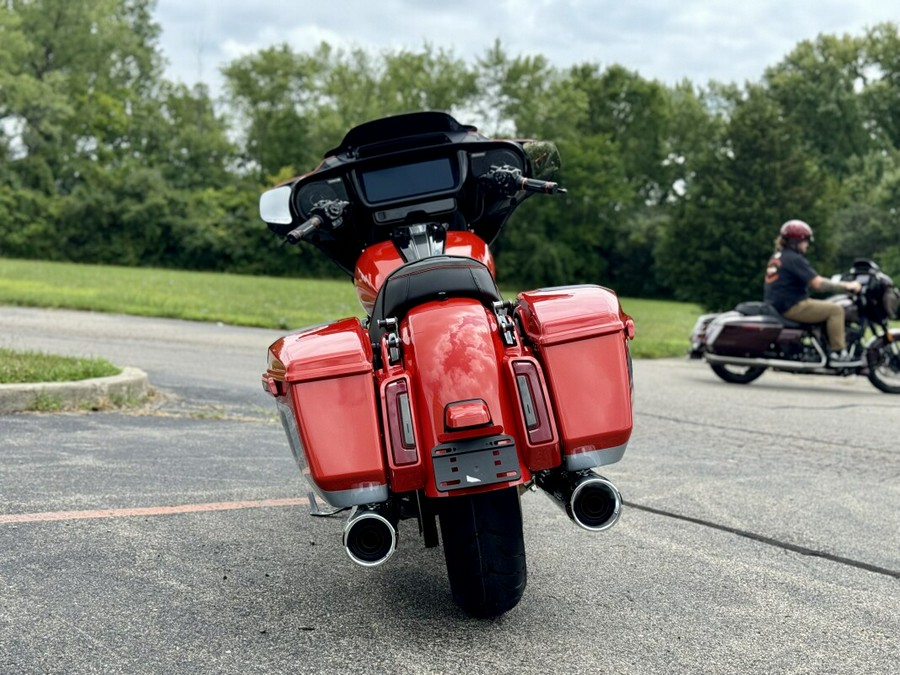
369, 538
595, 504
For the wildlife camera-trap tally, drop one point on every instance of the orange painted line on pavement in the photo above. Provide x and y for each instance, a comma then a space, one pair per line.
148, 510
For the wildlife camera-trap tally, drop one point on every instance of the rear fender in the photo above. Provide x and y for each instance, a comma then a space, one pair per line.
455, 361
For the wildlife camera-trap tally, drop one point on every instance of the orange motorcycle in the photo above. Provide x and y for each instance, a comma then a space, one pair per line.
447, 401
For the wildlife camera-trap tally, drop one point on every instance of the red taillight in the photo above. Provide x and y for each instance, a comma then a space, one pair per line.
466, 414
400, 423
533, 402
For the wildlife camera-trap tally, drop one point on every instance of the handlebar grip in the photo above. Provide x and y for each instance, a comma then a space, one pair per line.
299, 232
545, 186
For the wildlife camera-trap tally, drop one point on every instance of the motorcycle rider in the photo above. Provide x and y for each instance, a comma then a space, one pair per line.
789, 276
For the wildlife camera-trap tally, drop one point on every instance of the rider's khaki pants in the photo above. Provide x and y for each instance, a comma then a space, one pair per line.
816, 311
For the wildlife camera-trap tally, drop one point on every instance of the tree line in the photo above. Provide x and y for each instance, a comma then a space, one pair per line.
673, 191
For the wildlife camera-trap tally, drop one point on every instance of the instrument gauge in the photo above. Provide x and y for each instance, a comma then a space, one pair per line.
312, 193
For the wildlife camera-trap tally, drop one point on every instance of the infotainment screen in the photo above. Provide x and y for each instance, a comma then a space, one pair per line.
408, 180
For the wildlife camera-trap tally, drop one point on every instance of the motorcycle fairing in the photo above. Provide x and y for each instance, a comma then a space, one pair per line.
400, 142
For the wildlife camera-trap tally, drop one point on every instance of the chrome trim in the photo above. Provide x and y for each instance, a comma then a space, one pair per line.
371, 494
587, 460
780, 364
286, 413
566, 489
355, 519
610, 489
425, 241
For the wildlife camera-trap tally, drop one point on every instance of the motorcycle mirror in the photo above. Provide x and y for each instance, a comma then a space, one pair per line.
275, 205
544, 158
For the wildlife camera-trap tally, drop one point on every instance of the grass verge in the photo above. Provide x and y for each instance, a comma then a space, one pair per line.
268, 302
17, 367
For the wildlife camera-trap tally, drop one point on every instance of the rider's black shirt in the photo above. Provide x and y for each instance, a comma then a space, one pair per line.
787, 279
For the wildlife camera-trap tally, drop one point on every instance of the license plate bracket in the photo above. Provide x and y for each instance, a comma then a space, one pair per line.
474, 462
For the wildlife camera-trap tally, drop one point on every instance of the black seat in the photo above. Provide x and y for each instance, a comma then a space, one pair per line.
765, 309
435, 278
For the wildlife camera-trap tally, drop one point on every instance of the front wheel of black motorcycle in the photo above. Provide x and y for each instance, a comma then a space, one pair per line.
485, 551
737, 374
884, 365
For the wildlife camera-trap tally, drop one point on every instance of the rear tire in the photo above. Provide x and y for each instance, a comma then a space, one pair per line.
884, 365
485, 551
737, 374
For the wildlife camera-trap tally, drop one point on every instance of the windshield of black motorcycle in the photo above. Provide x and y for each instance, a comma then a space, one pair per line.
409, 180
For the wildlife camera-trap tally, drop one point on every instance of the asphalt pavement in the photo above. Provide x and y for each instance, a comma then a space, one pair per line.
761, 533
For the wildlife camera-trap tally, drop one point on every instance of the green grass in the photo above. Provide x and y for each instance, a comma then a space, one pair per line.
662, 327
202, 296
30, 366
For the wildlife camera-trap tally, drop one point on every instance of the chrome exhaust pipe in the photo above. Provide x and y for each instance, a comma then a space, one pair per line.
370, 536
591, 501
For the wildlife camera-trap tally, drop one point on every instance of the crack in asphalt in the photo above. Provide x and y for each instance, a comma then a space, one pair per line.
802, 550
779, 434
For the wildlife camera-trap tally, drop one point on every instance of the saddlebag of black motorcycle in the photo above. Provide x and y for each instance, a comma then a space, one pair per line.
580, 337
322, 381
736, 334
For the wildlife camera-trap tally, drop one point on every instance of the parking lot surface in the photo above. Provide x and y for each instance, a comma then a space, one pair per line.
761, 533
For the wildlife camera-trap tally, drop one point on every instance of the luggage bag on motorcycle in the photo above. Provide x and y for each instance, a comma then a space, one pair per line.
322, 380
580, 338
736, 334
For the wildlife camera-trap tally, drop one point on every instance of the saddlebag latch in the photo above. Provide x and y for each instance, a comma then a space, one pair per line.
505, 323
393, 339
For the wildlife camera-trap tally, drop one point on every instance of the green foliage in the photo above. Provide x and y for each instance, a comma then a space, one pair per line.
672, 191
715, 249
295, 107
815, 87
881, 93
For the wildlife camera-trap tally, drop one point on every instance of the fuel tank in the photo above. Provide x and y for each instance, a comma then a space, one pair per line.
379, 260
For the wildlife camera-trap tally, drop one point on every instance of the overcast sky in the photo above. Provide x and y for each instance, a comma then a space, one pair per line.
667, 40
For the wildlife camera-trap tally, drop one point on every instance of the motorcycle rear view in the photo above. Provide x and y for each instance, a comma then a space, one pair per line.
446, 402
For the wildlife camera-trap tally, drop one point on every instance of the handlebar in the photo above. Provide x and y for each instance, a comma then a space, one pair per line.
509, 179
301, 231
546, 186
327, 212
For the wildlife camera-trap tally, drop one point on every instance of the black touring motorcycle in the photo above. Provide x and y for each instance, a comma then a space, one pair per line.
739, 345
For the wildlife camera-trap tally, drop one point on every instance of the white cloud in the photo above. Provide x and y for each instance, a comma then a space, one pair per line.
700, 40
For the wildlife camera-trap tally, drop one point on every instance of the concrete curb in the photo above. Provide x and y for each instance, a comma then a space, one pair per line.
131, 383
